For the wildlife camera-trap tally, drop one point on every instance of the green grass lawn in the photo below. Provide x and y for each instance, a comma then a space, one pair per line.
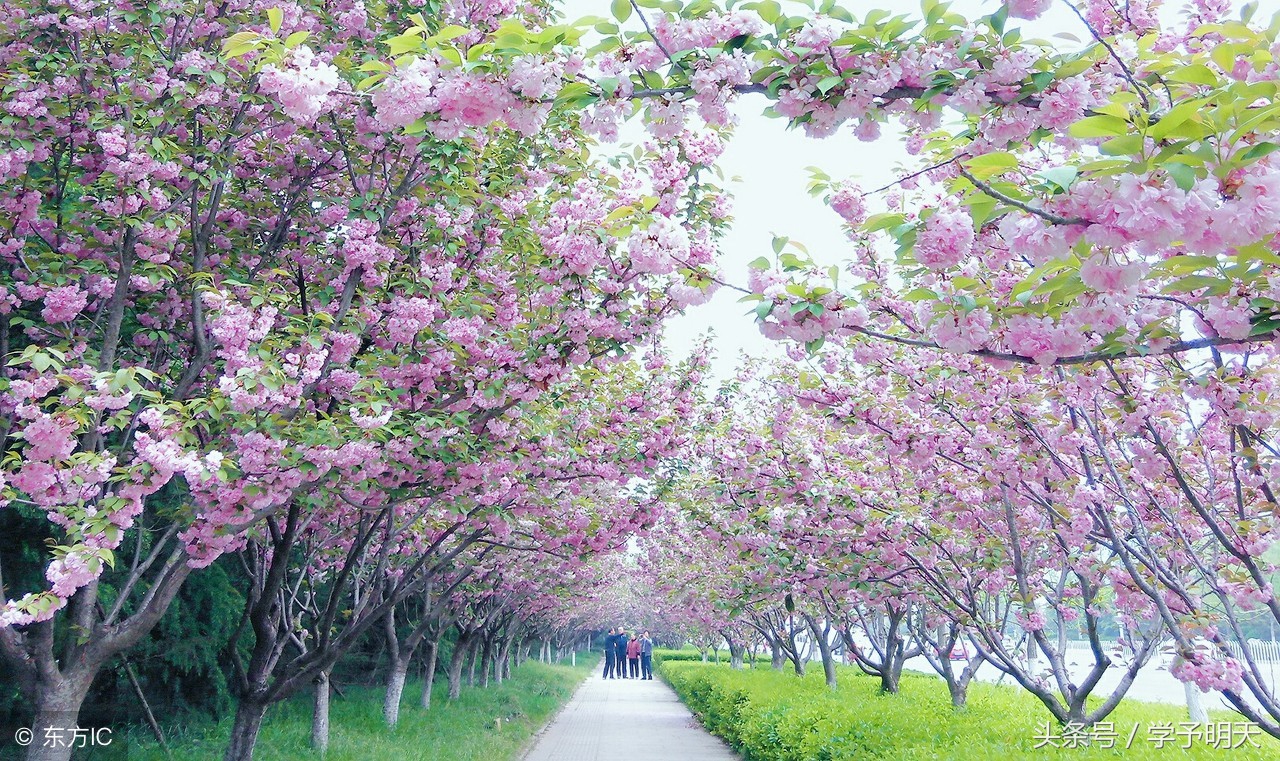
775, 716
460, 731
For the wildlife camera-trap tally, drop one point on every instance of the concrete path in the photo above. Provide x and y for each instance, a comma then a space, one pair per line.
626, 720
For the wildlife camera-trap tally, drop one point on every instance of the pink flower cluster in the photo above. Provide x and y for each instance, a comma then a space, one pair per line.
1209, 674
946, 238
659, 248
405, 95
960, 331
848, 201
71, 572
49, 439
1027, 9
361, 250
303, 87
62, 304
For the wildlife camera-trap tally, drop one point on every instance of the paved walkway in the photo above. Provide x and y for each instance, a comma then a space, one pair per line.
626, 720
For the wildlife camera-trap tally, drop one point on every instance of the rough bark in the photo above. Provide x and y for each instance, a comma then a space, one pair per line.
320, 714
57, 710
822, 635
395, 691
429, 678
777, 658
244, 730
456, 662
486, 660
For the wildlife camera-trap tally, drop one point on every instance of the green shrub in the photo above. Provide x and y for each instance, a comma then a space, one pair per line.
689, 654
772, 715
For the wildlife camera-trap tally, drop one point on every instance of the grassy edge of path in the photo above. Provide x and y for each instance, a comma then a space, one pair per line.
774, 716
464, 730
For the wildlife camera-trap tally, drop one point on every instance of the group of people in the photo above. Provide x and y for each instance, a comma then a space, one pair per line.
623, 654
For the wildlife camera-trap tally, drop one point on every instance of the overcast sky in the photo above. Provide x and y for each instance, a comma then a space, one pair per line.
771, 197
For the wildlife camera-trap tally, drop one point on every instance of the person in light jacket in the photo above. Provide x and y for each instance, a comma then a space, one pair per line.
646, 657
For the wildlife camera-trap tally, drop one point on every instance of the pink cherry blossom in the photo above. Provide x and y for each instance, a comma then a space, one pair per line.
62, 304
303, 87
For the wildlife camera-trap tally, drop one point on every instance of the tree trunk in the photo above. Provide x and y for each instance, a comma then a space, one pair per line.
454, 674
959, 693
502, 666
429, 679
58, 710
486, 661
777, 659
736, 651
473, 656
244, 730
395, 690
320, 714
797, 665
1195, 706
821, 636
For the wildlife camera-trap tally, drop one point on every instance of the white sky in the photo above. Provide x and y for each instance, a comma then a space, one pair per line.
772, 197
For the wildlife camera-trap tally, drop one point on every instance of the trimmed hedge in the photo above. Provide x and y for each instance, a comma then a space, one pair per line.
775, 716
688, 654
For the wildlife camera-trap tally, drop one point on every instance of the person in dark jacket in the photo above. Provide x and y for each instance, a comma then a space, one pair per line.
610, 653
646, 657
620, 652
633, 657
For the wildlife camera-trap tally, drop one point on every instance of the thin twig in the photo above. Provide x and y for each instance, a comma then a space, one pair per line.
1045, 215
644, 20
1124, 67
914, 175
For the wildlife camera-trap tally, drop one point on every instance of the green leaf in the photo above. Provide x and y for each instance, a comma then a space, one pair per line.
1258, 151
882, 222
1042, 79
998, 19
760, 263
1060, 177
1176, 117
1125, 145
1100, 126
1002, 159
1183, 175
1195, 74
826, 83
275, 17
240, 43
622, 9
450, 32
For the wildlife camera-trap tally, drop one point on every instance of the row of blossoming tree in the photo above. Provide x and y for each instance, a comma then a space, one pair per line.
344, 290
1043, 407
246, 314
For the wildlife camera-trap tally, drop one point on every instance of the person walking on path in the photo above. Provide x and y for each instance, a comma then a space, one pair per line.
633, 657
620, 652
646, 657
610, 653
